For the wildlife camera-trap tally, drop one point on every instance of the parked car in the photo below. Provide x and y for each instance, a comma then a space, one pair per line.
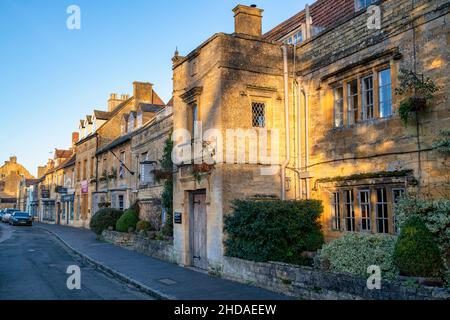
7, 214
1, 214
21, 218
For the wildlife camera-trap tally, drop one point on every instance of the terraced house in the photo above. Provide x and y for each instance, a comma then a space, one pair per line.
115, 175
323, 86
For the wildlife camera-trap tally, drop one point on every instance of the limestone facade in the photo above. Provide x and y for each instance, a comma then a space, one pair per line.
347, 144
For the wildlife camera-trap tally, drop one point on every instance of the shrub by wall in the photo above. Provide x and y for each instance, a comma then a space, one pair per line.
103, 219
434, 213
128, 220
273, 230
416, 253
353, 253
143, 226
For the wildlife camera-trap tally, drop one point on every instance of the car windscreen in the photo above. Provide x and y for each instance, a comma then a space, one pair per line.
21, 214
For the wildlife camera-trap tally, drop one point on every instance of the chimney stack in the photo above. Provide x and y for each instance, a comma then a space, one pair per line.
114, 100
75, 138
13, 159
143, 92
248, 20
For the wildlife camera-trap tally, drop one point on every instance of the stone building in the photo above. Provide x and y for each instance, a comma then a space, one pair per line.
147, 146
51, 186
114, 178
322, 85
11, 174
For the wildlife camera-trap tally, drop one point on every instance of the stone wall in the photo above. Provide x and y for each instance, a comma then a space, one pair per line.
154, 248
309, 283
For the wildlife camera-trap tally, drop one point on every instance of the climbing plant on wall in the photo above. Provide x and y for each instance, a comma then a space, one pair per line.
419, 91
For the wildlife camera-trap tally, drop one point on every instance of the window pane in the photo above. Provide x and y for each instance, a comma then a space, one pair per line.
382, 211
258, 115
352, 102
336, 211
349, 210
338, 107
364, 204
367, 98
385, 93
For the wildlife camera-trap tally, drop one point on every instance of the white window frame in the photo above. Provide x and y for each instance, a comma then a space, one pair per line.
294, 38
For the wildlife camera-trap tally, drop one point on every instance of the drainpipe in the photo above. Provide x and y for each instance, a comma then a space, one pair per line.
286, 113
299, 141
306, 139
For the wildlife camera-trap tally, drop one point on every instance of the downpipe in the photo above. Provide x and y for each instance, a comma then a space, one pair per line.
286, 113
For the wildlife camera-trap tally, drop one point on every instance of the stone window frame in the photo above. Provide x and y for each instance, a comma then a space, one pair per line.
372, 188
359, 74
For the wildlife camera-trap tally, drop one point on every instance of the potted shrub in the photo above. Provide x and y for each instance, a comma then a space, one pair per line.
419, 92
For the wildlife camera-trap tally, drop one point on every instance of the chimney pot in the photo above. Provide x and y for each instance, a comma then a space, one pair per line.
248, 20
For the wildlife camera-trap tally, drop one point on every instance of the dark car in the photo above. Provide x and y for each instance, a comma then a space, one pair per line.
21, 218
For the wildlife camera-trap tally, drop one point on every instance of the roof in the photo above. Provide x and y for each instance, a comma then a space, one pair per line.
69, 162
63, 154
324, 13
170, 103
149, 107
115, 143
102, 115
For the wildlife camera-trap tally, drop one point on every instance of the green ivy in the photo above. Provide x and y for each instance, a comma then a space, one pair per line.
443, 145
167, 194
418, 89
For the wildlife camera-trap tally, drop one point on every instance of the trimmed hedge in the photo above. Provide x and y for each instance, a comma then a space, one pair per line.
353, 253
416, 253
103, 219
273, 230
128, 220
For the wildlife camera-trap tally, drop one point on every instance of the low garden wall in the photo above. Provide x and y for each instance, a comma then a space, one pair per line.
154, 248
310, 283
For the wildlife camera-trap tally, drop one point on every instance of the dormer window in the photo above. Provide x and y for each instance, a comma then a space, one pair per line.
362, 4
294, 38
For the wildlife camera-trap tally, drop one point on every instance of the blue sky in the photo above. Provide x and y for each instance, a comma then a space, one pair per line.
50, 77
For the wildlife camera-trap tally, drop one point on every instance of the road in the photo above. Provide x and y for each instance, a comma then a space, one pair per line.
33, 266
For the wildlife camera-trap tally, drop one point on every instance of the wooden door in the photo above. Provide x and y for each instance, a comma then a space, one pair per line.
199, 258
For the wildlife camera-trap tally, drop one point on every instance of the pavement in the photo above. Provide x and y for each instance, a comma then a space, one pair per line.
33, 266
159, 278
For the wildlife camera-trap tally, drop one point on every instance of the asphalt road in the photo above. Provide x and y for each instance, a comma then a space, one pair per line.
33, 266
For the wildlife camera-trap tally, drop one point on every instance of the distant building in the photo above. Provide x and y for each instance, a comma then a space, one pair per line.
11, 174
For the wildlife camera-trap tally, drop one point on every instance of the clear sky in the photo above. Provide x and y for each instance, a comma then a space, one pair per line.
51, 77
